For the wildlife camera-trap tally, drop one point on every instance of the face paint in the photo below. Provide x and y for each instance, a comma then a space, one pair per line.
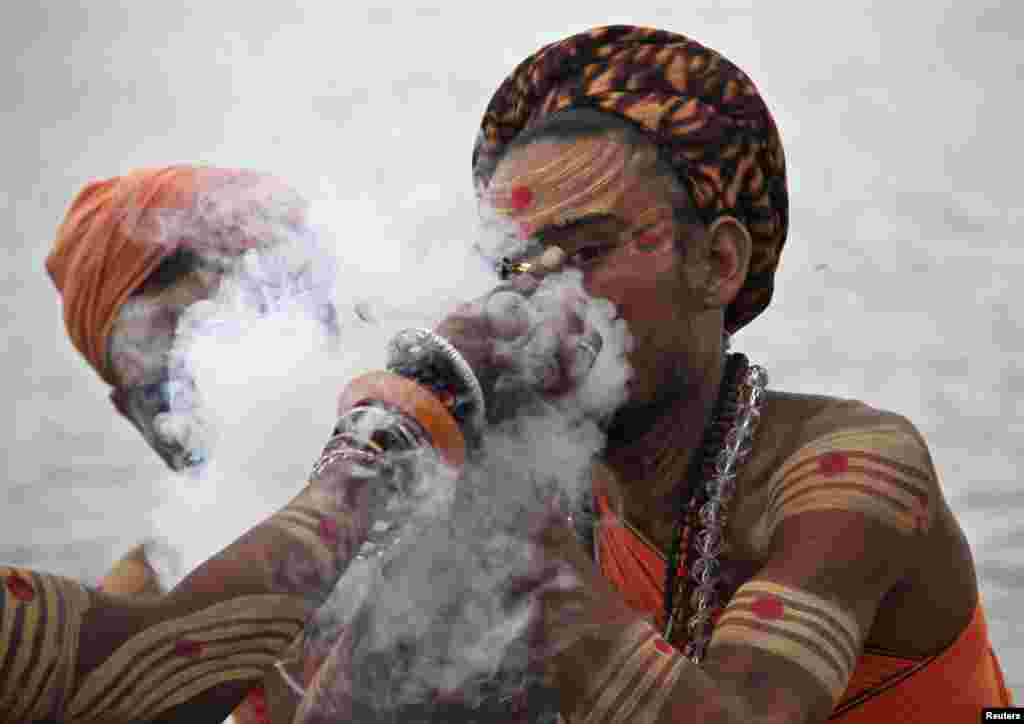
586, 177
648, 242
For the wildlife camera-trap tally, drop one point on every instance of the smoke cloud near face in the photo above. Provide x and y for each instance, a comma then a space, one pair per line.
267, 361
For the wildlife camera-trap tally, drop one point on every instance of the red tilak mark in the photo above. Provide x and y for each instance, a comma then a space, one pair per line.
833, 464
768, 607
663, 646
329, 530
521, 198
524, 230
188, 648
716, 615
20, 588
648, 242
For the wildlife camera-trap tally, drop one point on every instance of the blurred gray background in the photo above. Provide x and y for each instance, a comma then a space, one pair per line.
896, 286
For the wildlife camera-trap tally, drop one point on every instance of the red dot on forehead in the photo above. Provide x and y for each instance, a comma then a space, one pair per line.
648, 241
521, 197
769, 607
833, 464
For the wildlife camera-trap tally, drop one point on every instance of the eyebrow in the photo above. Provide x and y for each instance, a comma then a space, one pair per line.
578, 222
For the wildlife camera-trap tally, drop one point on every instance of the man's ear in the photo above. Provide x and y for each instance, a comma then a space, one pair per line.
729, 249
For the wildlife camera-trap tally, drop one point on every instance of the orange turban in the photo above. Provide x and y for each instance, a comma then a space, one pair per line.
113, 237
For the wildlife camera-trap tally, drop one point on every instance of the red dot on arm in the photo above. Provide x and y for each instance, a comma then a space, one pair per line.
768, 607
20, 588
833, 464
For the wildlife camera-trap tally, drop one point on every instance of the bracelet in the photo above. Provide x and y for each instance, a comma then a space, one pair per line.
390, 405
364, 462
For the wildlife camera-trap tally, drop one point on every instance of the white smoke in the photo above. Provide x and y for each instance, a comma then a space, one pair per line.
268, 371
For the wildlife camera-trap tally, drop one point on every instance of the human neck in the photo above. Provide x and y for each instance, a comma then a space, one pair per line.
650, 449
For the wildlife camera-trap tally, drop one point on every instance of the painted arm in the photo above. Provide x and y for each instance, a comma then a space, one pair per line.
847, 517
71, 654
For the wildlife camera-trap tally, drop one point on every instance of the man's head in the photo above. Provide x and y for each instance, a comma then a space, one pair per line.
703, 114
594, 186
655, 164
135, 252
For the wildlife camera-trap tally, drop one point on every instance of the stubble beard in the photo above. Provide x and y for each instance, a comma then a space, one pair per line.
638, 419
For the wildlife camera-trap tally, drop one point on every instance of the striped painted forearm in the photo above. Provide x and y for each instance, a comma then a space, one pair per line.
305, 547
635, 684
816, 634
179, 658
40, 625
43, 632
228, 621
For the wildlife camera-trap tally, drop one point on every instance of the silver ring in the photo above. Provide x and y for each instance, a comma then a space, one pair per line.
592, 349
461, 366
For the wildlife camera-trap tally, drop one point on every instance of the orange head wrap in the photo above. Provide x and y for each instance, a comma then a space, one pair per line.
114, 236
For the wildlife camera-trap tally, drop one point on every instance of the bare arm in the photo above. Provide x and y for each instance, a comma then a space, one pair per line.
71, 654
847, 519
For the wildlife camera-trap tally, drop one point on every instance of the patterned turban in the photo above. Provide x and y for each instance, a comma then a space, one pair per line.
118, 231
703, 113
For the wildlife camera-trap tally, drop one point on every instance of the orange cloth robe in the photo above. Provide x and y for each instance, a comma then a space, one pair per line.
952, 686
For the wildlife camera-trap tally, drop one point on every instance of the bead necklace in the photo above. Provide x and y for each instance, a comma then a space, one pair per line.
704, 505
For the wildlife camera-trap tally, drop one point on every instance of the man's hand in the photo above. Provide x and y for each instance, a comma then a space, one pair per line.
567, 597
526, 337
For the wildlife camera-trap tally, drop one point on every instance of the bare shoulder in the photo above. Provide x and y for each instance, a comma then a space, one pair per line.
793, 420
816, 413
817, 452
